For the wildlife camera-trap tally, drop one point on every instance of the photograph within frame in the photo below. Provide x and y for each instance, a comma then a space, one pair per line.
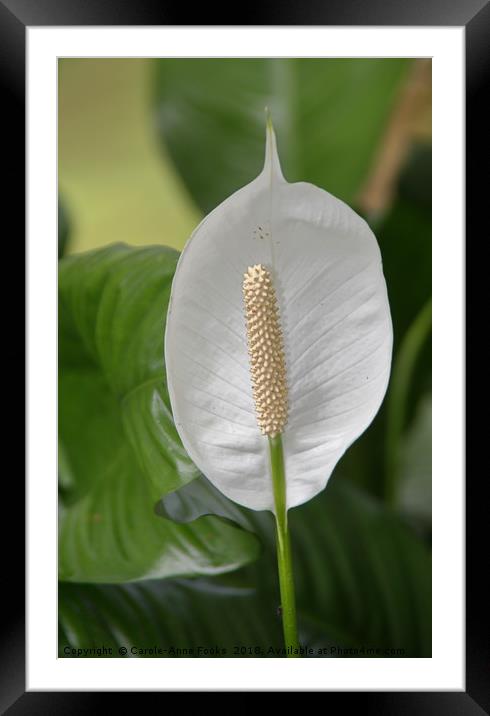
476, 69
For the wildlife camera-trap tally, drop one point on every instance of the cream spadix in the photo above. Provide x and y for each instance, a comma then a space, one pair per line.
265, 350
320, 373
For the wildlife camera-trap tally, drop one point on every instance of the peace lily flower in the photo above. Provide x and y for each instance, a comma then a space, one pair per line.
278, 346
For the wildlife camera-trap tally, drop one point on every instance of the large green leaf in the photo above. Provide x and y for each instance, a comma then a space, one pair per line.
329, 116
119, 450
362, 578
165, 614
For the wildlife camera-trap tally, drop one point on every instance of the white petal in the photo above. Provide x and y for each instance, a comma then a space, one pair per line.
337, 331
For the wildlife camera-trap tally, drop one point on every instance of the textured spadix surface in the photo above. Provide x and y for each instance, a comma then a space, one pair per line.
337, 336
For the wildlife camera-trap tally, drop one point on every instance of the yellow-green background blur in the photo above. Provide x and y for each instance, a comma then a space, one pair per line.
116, 180
117, 184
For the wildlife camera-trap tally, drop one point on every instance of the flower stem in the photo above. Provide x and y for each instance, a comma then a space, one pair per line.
284, 561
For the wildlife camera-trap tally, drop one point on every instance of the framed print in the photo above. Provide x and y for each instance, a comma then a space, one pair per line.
249, 449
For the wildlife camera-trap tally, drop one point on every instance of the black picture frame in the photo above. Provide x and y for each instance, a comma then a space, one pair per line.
15, 16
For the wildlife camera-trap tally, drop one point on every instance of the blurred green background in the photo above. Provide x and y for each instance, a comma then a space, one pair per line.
149, 553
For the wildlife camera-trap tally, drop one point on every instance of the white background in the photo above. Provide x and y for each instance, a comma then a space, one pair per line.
445, 670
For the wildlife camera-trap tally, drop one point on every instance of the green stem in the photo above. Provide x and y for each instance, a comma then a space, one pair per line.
284, 561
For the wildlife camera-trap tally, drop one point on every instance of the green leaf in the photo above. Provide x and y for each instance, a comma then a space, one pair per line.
119, 450
165, 614
329, 116
361, 576
415, 183
414, 496
63, 228
401, 393
199, 498
362, 580
405, 239
404, 235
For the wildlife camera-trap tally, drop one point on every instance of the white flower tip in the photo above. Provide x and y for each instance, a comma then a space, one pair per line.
272, 165
268, 118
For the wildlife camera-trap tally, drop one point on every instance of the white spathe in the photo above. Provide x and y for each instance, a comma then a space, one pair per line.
335, 316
